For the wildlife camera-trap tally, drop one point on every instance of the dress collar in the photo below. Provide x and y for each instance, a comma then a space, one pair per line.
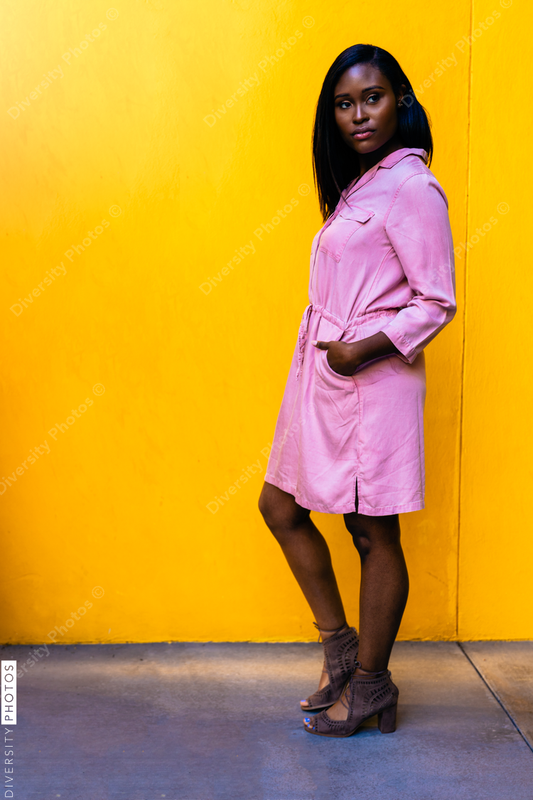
393, 158
387, 162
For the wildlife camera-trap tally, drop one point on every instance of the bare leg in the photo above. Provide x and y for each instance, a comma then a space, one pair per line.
384, 591
308, 556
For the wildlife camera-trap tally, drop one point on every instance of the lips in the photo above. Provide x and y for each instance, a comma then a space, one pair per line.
363, 133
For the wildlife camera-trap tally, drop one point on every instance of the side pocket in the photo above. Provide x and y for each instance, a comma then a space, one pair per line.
331, 371
328, 332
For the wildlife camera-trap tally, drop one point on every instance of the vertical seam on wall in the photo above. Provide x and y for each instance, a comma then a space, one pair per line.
463, 347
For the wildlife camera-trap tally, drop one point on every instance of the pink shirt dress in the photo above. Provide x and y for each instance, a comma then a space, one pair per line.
383, 261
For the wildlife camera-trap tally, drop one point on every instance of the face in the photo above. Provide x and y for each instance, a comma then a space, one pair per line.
364, 101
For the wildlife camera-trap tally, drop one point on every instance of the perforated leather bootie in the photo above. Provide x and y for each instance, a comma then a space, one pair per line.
363, 697
340, 658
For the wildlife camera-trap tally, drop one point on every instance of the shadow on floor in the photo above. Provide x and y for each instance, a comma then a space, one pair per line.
222, 722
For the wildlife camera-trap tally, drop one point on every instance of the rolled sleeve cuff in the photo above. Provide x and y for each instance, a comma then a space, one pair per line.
407, 353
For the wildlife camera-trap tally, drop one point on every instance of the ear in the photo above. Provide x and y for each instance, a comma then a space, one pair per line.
403, 89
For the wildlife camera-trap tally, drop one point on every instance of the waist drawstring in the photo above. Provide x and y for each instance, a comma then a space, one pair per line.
339, 323
302, 337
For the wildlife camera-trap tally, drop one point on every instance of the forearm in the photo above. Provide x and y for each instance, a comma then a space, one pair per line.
376, 346
345, 358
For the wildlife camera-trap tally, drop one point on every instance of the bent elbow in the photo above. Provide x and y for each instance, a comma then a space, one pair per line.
452, 310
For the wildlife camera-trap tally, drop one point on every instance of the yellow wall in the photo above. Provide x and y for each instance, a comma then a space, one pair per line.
117, 516
496, 533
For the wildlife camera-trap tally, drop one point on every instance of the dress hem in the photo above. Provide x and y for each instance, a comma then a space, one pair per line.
347, 508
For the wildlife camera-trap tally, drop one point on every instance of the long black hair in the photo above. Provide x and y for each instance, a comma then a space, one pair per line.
335, 164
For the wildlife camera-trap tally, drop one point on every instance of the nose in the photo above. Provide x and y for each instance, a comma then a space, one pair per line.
359, 115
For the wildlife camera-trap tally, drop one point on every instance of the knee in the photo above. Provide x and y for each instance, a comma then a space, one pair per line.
371, 533
361, 537
280, 511
266, 508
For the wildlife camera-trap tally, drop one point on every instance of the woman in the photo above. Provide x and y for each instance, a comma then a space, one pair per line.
349, 437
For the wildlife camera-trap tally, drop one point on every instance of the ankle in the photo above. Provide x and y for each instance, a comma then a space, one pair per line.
368, 674
327, 633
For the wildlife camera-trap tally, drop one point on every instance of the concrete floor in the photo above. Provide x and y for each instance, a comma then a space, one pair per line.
222, 722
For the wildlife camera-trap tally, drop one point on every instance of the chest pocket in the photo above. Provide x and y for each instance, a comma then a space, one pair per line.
348, 223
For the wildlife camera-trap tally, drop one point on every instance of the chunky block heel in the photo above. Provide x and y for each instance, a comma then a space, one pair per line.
363, 697
387, 719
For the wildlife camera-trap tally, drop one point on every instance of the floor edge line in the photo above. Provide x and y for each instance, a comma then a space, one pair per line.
496, 696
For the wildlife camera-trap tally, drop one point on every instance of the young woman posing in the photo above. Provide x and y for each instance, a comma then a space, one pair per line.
349, 437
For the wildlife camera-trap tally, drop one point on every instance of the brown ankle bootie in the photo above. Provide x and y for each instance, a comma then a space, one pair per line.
340, 657
363, 698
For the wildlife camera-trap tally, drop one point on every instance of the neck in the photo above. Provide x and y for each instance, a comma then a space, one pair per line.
369, 160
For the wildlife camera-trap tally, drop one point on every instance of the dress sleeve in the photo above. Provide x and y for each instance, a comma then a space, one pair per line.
418, 228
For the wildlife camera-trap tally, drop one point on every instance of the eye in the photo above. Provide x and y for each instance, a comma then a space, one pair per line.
343, 103
373, 95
